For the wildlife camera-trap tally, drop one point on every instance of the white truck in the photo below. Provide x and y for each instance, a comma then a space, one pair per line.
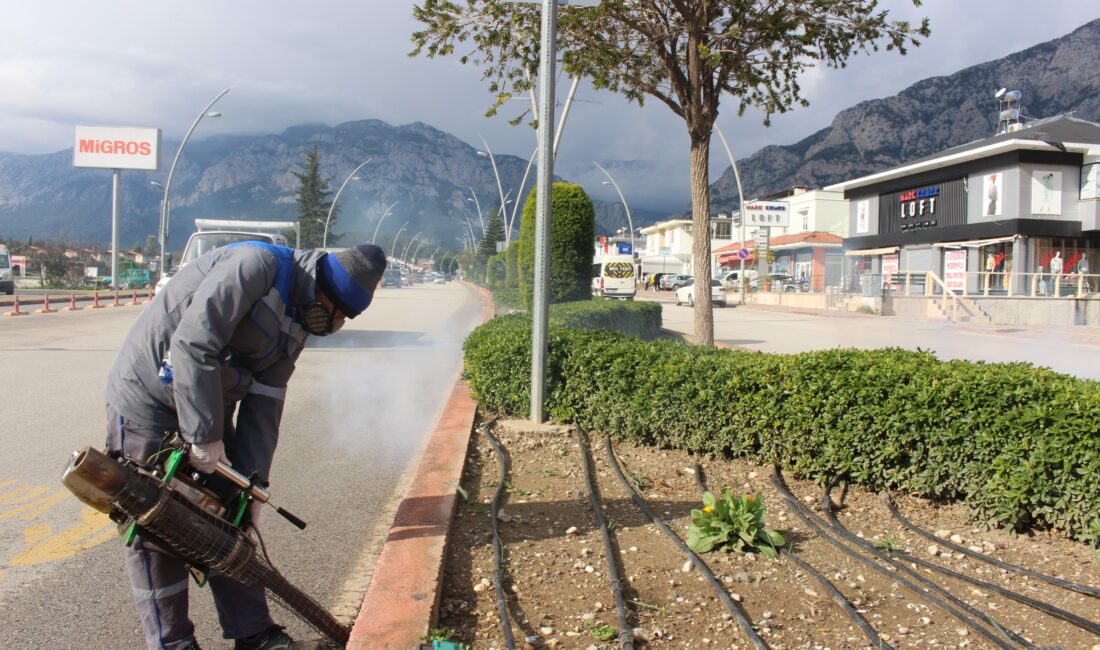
613, 276
7, 279
215, 233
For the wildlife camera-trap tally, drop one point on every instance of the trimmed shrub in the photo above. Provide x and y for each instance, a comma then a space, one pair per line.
1015, 442
572, 233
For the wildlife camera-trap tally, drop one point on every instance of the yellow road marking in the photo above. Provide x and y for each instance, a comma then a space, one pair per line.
36, 508
21, 493
94, 529
4, 484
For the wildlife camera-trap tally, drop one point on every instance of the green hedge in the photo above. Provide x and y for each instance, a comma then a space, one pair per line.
1019, 444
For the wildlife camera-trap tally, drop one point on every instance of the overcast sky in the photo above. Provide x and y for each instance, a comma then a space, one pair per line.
157, 63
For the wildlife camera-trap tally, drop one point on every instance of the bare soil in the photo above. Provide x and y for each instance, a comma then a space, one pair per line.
556, 571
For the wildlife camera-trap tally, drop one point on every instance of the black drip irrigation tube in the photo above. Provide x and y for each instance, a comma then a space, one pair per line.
738, 614
626, 631
834, 593
1058, 582
807, 518
498, 551
1046, 608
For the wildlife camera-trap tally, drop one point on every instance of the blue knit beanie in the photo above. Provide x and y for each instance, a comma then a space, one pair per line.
349, 277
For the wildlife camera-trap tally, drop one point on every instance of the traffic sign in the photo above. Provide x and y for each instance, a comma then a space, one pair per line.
743, 253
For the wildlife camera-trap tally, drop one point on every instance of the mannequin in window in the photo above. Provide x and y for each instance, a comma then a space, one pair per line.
1056, 268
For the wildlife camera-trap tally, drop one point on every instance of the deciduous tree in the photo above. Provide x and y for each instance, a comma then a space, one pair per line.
686, 54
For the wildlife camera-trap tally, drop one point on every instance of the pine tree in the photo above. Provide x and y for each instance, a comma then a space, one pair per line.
313, 203
494, 232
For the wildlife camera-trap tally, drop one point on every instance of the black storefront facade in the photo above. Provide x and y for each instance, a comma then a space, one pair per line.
991, 218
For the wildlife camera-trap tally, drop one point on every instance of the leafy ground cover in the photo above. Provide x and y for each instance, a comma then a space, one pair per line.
556, 577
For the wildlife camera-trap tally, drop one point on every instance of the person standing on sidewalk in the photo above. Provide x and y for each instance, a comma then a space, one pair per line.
219, 340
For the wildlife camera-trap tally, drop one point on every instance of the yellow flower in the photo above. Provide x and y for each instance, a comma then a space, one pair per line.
708, 508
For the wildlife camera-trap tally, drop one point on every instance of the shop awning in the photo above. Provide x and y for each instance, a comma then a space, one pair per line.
885, 250
973, 243
732, 259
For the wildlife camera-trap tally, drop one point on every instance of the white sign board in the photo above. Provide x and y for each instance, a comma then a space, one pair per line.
889, 269
111, 147
767, 213
1090, 181
954, 270
1046, 192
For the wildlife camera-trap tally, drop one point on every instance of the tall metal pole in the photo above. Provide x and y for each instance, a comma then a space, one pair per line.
328, 218
629, 221
172, 171
393, 247
478, 204
740, 209
380, 220
116, 180
493, 162
405, 255
519, 199
541, 302
416, 250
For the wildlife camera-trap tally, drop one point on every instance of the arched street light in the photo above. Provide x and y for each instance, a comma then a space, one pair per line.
393, 247
206, 112
629, 221
328, 218
488, 153
405, 255
477, 203
380, 220
415, 251
740, 208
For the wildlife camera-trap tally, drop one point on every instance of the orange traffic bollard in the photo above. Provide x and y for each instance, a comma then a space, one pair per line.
133, 298
116, 303
45, 306
15, 309
95, 300
72, 303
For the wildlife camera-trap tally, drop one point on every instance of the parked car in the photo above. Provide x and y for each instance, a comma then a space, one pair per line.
730, 280
686, 293
673, 282
391, 278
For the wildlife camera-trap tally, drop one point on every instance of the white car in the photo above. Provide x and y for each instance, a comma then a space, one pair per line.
686, 293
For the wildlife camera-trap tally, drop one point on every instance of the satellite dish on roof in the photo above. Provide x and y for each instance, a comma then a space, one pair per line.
997, 95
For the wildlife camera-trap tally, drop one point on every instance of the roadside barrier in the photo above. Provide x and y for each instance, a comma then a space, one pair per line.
116, 303
72, 303
45, 306
95, 301
15, 309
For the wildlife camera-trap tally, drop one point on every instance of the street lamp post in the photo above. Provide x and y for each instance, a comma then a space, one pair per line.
380, 220
328, 218
488, 153
206, 112
405, 255
415, 251
629, 222
740, 210
477, 203
393, 247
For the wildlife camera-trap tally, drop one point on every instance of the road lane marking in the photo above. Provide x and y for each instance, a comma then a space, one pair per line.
41, 542
94, 529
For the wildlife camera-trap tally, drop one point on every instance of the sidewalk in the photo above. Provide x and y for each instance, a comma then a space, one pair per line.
402, 601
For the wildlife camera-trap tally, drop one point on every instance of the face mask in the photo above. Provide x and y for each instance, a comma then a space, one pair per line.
319, 321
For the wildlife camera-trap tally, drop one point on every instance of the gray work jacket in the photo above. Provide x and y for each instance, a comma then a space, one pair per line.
222, 324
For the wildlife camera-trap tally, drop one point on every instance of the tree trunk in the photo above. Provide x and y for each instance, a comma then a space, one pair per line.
700, 237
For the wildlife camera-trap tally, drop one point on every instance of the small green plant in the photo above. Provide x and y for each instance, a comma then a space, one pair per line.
733, 522
602, 632
551, 472
865, 310
511, 489
638, 480
463, 493
443, 634
889, 544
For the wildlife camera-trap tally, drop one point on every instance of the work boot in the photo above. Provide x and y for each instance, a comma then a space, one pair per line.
273, 638
194, 645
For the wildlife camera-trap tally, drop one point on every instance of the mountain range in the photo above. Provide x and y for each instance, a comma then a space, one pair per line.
429, 176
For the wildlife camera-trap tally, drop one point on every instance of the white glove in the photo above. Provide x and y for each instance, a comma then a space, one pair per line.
205, 456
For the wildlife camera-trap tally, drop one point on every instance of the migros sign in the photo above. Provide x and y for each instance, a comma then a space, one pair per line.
107, 147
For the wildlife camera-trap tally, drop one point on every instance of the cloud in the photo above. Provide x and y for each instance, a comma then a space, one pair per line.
134, 62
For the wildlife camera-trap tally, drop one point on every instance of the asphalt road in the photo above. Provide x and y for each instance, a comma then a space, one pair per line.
1074, 351
359, 407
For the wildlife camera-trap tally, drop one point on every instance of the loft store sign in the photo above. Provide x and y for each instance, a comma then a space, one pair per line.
920, 202
767, 213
